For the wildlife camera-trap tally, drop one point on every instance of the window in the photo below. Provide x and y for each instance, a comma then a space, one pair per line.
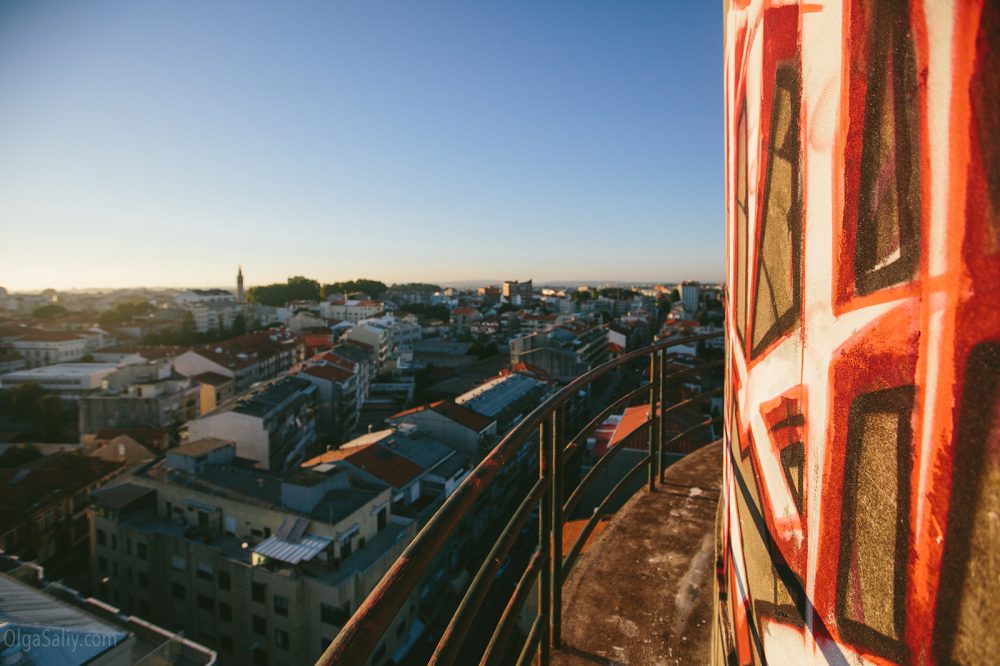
102, 564
778, 271
226, 643
887, 242
382, 518
258, 592
102, 537
258, 624
225, 582
225, 612
281, 638
142, 550
114, 542
178, 592
335, 615
205, 572
871, 576
206, 602
128, 546
281, 605
178, 563
345, 548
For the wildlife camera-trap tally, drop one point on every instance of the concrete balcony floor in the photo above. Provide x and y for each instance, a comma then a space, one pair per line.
642, 591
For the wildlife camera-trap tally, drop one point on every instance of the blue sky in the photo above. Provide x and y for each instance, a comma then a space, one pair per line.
163, 143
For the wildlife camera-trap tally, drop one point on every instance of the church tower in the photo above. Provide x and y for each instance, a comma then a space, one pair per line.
239, 286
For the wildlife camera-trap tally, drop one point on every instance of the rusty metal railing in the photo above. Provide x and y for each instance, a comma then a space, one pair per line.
359, 638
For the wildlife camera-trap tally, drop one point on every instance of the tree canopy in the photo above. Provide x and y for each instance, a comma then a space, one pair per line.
123, 313
48, 311
373, 288
418, 287
297, 288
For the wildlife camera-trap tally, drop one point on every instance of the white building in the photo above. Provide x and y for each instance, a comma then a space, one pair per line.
350, 310
67, 380
194, 296
691, 295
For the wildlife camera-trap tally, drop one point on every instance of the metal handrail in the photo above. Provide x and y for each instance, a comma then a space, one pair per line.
359, 638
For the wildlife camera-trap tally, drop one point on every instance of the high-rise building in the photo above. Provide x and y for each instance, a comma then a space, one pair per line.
691, 295
264, 567
239, 286
513, 289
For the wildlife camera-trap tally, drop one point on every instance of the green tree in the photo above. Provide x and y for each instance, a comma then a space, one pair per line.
294, 289
126, 312
189, 330
373, 288
239, 326
48, 311
48, 420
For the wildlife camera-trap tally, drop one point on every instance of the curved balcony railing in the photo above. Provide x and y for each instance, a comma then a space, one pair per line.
359, 638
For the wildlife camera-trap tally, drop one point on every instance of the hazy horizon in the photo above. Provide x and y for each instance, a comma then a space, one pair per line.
463, 283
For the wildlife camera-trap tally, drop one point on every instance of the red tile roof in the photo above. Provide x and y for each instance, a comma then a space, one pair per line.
375, 459
50, 336
462, 415
453, 412
212, 379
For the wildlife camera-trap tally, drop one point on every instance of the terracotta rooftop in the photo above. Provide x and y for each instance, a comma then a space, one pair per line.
212, 379
454, 412
328, 372
50, 336
201, 446
375, 459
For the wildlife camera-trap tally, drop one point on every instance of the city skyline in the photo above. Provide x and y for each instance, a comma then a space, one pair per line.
156, 145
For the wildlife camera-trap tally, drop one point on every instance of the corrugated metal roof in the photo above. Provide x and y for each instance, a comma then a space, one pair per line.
307, 548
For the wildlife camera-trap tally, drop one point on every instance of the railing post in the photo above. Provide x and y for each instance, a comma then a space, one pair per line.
652, 417
545, 539
662, 428
558, 481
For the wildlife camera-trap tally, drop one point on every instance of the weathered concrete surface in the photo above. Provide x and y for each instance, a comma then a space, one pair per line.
642, 593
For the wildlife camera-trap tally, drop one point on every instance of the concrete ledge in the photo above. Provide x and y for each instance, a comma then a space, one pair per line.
642, 592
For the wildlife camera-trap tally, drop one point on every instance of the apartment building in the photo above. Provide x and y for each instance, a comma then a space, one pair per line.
349, 309
41, 348
337, 394
248, 359
274, 424
517, 292
564, 352
44, 505
264, 567
142, 395
461, 428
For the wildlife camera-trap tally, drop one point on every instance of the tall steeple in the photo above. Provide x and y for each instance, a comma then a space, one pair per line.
239, 286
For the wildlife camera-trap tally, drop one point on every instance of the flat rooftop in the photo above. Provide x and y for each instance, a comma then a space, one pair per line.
62, 370
656, 553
